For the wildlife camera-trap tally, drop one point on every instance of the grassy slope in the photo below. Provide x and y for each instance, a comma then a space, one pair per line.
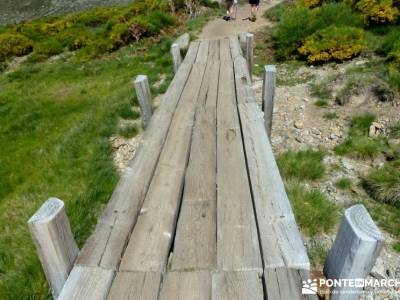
55, 121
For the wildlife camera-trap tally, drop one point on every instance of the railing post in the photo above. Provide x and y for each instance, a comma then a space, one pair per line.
354, 252
54, 242
249, 51
268, 95
144, 96
176, 56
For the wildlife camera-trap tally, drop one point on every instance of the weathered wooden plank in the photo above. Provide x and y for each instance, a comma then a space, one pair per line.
237, 239
224, 51
135, 285
106, 244
354, 252
87, 283
283, 251
195, 243
237, 286
202, 55
151, 238
54, 242
186, 286
249, 51
285, 283
268, 96
213, 54
236, 50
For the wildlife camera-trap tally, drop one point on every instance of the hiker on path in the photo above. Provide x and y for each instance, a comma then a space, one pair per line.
254, 4
231, 7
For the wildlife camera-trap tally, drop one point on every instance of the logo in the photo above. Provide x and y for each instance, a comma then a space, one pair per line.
310, 287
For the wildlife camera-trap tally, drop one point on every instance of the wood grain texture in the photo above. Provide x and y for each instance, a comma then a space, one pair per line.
176, 56
355, 250
237, 286
106, 245
195, 241
285, 283
55, 244
87, 283
268, 95
135, 285
249, 51
144, 97
237, 239
151, 238
186, 286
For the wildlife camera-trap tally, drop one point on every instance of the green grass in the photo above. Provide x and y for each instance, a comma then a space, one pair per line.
320, 91
330, 115
128, 131
358, 144
55, 123
317, 252
315, 214
387, 217
394, 130
275, 12
302, 165
344, 183
384, 184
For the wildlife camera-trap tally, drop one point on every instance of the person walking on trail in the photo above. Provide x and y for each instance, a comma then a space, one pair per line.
231, 8
254, 4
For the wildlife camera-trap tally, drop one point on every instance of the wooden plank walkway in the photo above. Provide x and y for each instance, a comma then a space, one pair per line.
201, 212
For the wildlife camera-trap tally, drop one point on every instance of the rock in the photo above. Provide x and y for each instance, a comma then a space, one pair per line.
347, 164
298, 124
183, 41
306, 99
375, 129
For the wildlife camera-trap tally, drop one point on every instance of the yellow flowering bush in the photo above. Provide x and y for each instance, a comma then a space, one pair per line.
378, 11
12, 44
333, 43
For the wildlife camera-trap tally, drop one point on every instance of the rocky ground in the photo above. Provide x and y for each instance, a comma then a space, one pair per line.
298, 123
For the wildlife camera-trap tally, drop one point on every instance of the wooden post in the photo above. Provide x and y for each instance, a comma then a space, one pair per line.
144, 97
249, 51
176, 56
268, 95
54, 242
354, 252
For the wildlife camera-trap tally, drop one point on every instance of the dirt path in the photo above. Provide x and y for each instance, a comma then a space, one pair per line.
219, 28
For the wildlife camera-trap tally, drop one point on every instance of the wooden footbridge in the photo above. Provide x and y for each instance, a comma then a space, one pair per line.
201, 211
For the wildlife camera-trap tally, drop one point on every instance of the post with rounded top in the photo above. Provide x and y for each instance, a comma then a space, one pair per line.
176, 56
268, 95
354, 252
55, 244
144, 97
249, 51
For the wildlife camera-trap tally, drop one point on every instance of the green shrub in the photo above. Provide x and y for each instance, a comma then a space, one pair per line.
391, 42
296, 24
333, 43
384, 184
12, 44
314, 212
307, 164
49, 47
379, 11
275, 12
394, 130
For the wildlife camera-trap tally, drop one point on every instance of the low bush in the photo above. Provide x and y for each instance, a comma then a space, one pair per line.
360, 147
333, 43
307, 164
12, 44
128, 131
49, 47
275, 13
360, 124
314, 212
384, 184
299, 22
378, 11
